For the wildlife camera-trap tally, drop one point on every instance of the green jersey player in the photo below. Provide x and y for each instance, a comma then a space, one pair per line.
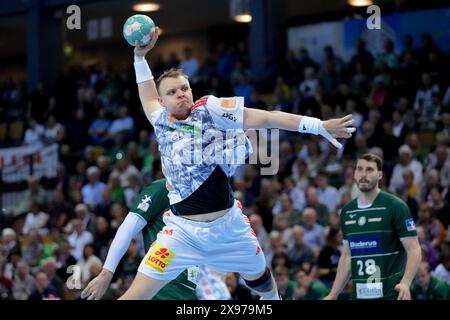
379, 235
146, 215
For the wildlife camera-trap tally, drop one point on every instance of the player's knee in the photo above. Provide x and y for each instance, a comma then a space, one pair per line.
263, 283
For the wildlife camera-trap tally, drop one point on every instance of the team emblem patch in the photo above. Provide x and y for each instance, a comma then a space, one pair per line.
145, 203
228, 103
362, 221
410, 225
159, 258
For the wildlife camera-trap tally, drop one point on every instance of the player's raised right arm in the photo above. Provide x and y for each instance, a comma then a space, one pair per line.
146, 85
343, 273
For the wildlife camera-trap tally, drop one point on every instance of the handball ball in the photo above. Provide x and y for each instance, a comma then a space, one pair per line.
138, 27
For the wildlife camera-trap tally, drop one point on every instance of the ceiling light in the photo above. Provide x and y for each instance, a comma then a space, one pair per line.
146, 7
243, 18
360, 3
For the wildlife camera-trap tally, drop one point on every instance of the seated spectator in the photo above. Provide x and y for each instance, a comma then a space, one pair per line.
300, 254
406, 161
9, 243
286, 287
427, 287
85, 263
129, 264
123, 124
83, 213
442, 271
439, 160
23, 283
237, 290
32, 250
125, 170
34, 193
314, 235
34, 134
276, 245
49, 267
5, 285
327, 194
312, 201
44, 290
328, 258
433, 228
102, 237
36, 219
307, 287
92, 192
53, 131
64, 259
189, 65
99, 128
79, 238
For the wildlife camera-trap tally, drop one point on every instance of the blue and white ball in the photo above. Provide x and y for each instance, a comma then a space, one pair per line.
138, 27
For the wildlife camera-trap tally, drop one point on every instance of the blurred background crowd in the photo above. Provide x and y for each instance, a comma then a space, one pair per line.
400, 100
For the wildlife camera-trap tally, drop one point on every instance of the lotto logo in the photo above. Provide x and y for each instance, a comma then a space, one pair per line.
159, 258
228, 103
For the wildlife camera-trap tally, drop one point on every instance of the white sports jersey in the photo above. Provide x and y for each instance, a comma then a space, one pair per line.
191, 149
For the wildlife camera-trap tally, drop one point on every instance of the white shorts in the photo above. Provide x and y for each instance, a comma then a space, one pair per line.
227, 244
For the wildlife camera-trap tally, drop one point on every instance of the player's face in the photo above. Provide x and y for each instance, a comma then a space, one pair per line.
176, 96
367, 175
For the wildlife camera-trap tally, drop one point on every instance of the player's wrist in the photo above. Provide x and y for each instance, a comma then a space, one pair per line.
106, 273
142, 70
310, 125
138, 58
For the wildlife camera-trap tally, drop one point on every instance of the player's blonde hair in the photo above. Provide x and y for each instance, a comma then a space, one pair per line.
171, 73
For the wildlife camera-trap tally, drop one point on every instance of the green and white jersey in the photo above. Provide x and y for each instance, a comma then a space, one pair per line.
374, 235
151, 204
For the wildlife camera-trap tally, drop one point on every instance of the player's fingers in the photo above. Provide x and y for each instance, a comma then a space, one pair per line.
350, 130
349, 123
331, 139
86, 291
346, 118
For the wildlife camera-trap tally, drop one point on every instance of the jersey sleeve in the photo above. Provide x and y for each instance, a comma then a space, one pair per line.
403, 221
227, 113
152, 201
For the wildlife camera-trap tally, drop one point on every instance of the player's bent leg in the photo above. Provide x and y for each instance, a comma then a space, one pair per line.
263, 284
143, 288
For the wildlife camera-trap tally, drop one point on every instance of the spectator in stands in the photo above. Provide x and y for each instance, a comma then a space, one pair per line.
50, 268
44, 290
442, 271
328, 195
5, 285
64, 259
363, 56
313, 232
99, 127
434, 229
288, 216
36, 219
189, 65
23, 283
312, 201
59, 210
79, 238
32, 250
34, 134
406, 161
123, 124
307, 287
86, 262
440, 160
286, 287
427, 287
92, 192
300, 255
276, 245
102, 237
328, 258
237, 290
34, 193
53, 131
9, 243
125, 170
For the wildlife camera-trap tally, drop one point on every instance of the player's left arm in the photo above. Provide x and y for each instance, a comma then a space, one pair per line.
413, 258
329, 129
406, 230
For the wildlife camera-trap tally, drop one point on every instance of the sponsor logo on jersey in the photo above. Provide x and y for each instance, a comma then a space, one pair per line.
375, 219
159, 258
145, 203
352, 215
193, 274
228, 103
350, 222
410, 225
369, 290
365, 244
362, 221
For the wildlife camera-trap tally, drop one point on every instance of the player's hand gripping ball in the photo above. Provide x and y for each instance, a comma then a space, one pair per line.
138, 27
